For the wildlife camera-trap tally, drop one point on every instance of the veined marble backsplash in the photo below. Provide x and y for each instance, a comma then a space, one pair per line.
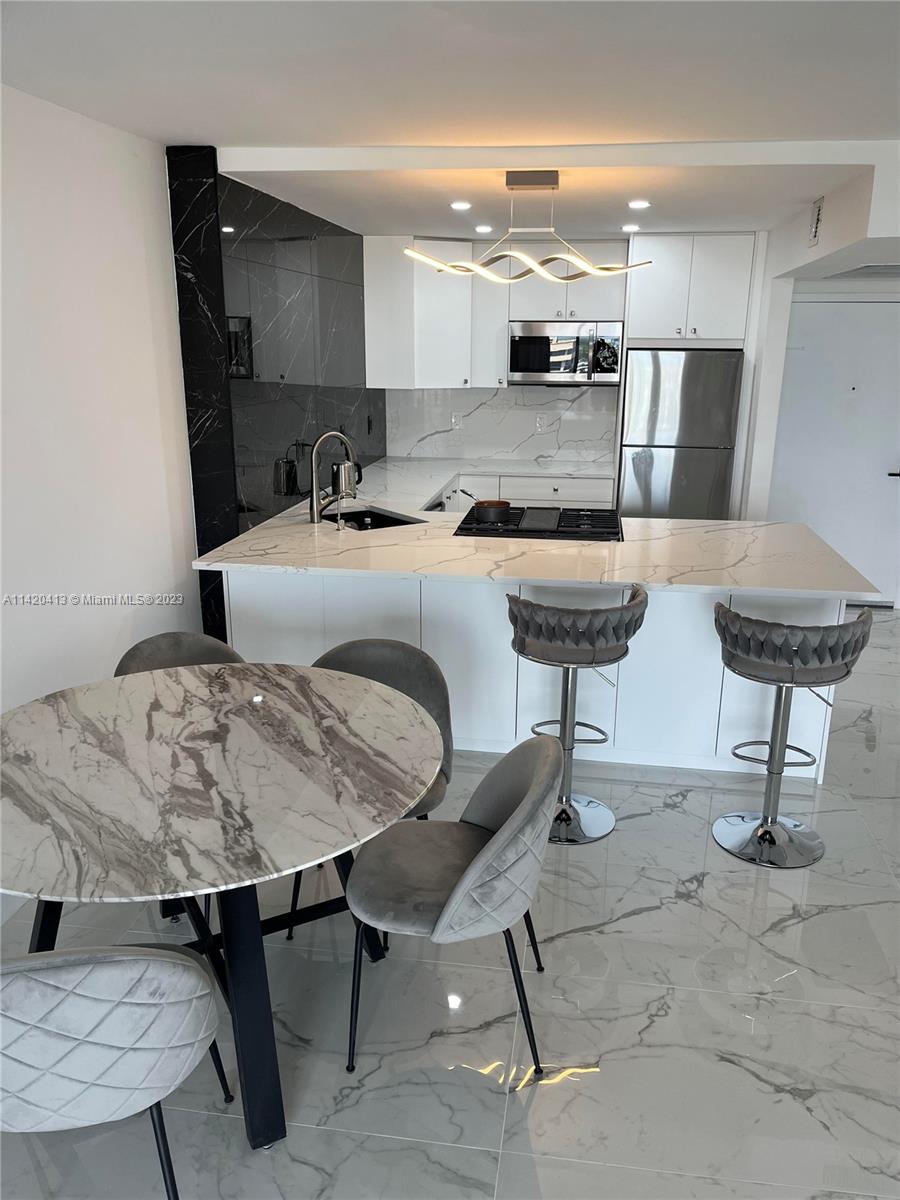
578, 423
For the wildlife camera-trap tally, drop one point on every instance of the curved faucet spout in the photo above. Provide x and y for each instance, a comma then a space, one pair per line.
316, 504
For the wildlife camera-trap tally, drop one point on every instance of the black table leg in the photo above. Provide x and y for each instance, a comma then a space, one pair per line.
45, 927
251, 1016
371, 937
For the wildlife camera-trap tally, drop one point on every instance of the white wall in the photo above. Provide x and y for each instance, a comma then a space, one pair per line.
96, 486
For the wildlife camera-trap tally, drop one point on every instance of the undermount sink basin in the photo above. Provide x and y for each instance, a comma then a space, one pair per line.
364, 519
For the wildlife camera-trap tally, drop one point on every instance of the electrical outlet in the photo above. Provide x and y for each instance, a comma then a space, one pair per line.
539, 425
456, 420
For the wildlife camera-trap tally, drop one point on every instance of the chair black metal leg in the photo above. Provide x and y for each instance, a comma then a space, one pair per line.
532, 937
162, 1148
45, 926
354, 995
227, 1094
343, 865
523, 999
295, 899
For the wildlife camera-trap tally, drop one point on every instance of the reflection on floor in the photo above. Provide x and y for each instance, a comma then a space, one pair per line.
710, 1030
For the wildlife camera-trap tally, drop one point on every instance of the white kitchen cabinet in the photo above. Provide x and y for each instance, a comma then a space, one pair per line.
390, 608
720, 285
276, 617
490, 325
466, 630
418, 321
658, 298
697, 287
598, 298
588, 299
549, 489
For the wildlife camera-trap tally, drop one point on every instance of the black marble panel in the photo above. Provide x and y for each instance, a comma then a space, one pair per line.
193, 200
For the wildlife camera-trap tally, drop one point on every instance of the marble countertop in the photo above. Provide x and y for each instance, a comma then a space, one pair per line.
700, 555
197, 779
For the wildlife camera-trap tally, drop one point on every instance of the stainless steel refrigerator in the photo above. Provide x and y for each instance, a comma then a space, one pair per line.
678, 430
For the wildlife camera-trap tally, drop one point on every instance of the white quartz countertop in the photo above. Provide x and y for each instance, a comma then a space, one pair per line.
699, 555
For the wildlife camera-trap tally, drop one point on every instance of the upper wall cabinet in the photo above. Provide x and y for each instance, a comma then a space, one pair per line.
490, 325
418, 320
590, 299
698, 286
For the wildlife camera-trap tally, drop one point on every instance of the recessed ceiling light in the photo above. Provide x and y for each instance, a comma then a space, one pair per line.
228, 229
638, 203
460, 205
630, 228
484, 229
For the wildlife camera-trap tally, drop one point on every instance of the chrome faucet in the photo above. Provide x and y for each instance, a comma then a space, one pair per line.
345, 476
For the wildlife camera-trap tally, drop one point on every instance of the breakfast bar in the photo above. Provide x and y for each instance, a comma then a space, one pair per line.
294, 589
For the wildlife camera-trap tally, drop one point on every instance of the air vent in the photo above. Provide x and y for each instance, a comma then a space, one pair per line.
871, 271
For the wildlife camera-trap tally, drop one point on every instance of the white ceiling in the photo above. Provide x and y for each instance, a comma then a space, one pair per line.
589, 201
368, 74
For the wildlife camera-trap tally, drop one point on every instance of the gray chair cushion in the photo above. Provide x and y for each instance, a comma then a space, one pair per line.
96, 1035
401, 880
175, 650
577, 637
409, 670
455, 881
803, 655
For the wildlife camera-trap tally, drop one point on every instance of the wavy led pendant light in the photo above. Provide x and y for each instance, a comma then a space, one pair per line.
526, 181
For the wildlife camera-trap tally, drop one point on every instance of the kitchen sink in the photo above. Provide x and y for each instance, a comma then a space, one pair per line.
364, 519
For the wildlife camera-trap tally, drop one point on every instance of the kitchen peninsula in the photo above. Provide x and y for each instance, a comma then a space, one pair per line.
294, 589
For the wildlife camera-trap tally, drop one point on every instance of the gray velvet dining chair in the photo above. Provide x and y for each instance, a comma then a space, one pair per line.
176, 649
411, 671
97, 1035
453, 881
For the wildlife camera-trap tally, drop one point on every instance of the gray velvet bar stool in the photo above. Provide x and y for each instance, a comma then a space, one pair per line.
574, 639
784, 657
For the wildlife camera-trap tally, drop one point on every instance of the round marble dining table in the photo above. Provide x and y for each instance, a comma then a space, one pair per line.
202, 779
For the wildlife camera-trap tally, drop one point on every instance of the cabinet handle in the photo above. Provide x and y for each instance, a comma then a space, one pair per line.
559, 312
556, 489
465, 381
678, 331
499, 378
693, 329
571, 312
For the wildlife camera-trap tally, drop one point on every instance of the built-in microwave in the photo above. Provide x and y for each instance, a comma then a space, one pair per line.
565, 352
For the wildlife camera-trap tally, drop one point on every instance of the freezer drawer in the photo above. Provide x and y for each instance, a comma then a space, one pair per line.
682, 397
681, 483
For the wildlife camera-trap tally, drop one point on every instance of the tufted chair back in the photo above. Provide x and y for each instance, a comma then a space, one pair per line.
175, 650
516, 800
575, 637
802, 655
88, 1036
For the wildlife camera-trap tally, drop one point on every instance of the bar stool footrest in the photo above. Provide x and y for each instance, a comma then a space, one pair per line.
540, 726
805, 760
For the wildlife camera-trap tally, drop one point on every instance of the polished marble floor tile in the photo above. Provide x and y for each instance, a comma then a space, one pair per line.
212, 1161
709, 1084
433, 1039
528, 1177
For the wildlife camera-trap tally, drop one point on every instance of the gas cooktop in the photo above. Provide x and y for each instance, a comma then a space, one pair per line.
568, 524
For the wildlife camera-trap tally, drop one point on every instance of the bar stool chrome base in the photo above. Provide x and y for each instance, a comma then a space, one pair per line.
783, 843
581, 821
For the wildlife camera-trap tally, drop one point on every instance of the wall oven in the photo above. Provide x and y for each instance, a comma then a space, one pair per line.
565, 352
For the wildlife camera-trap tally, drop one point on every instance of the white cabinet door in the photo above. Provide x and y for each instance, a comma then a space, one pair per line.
466, 631
482, 487
550, 490
534, 298
384, 608
658, 298
490, 326
670, 683
389, 313
598, 298
720, 285
275, 617
443, 319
